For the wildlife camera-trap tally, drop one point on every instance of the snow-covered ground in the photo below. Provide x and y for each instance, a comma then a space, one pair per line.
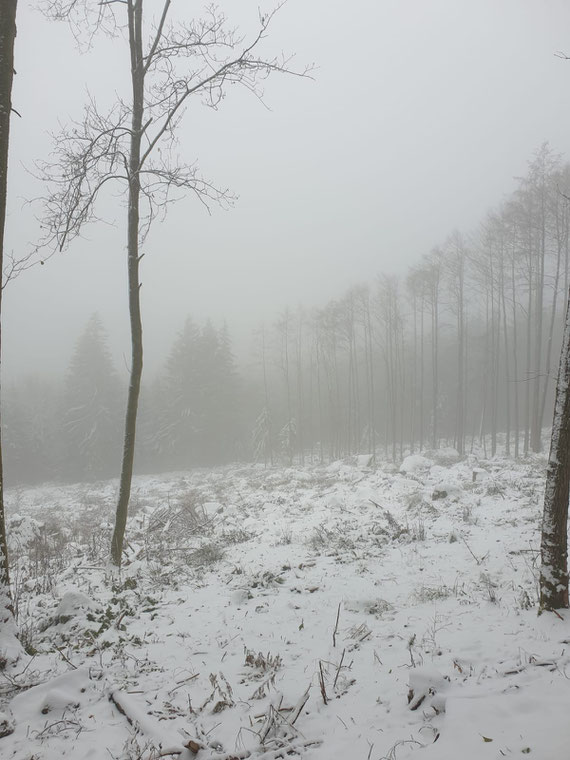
323, 612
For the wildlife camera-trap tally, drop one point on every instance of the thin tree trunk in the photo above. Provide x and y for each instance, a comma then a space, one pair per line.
550, 337
507, 368
460, 411
515, 358
536, 432
137, 80
528, 362
372, 415
7, 39
422, 343
300, 404
268, 447
435, 368
319, 399
414, 389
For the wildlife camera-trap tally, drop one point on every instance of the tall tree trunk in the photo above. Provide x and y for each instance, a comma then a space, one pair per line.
515, 357
422, 374
268, 447
554, 543
7, 37
550, 337
133, 257
300, 399
414, 388
319, 398
507, 367
435, 366
528, 360
536, 432
460, 411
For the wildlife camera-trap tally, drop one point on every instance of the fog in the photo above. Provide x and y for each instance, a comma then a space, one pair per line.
419, 116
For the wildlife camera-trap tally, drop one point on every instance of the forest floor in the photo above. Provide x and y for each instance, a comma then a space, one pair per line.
322, 612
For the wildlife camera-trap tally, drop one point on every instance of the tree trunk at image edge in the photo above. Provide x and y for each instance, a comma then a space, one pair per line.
7, 38
554, 542
137, 79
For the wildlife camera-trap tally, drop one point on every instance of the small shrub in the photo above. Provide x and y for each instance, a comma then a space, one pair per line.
236, 536
432, 593
286, 537
418, 531
208, 554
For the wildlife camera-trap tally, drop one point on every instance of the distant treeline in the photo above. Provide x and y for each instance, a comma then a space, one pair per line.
463, 349
189, 416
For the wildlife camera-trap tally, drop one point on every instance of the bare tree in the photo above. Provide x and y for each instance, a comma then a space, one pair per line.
7, 38
130, 144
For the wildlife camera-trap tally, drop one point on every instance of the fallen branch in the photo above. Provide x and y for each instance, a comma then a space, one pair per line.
141, 722
291, 748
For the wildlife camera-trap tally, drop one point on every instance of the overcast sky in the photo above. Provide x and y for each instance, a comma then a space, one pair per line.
421, 114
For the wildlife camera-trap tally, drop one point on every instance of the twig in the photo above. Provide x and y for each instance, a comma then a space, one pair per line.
336, 625
477, 560
68, 661
322, 683
338, 669
181, 683
299, 706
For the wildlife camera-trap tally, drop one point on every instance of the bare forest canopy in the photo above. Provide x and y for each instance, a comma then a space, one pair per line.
462, 350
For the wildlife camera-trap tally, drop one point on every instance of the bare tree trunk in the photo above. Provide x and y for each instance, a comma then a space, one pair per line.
402, 384
371, 409
460, 411
319, 398
515, 357
268, 447
422, 374
536, 432
435, 366
484, 381
528, 361
414, 389
7, 38
554, 544
550, 337
137, 80
507, 367
300, 398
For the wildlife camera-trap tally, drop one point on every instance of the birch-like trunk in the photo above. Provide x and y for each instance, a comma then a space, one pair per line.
554, 543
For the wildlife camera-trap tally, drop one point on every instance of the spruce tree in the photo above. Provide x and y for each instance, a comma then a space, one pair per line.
91, 420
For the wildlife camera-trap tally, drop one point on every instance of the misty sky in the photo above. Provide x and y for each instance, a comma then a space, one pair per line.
420, 115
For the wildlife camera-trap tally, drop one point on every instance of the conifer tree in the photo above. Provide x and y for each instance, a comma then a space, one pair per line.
91, 426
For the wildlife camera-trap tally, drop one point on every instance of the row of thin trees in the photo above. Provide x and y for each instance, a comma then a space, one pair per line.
463, 351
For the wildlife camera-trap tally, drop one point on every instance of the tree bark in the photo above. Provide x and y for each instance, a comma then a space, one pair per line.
554, 543
7, 39
133, 257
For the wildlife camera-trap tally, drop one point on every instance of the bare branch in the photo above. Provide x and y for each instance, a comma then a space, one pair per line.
158, 35
183, 60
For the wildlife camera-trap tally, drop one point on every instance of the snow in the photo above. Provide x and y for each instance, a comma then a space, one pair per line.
415, 463
340, 611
